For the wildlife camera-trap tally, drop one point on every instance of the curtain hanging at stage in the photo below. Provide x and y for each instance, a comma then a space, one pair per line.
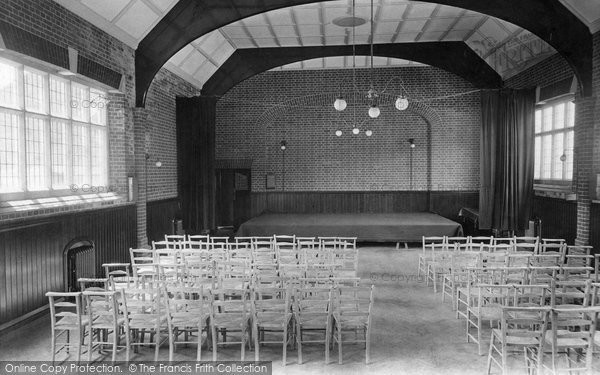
196, 161
507, 159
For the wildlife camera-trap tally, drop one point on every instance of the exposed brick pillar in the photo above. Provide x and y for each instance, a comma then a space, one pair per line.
117, 140
140, 128
584, 159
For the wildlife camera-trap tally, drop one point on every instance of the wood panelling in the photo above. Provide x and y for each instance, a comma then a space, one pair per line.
559, 218
595, 227
449, 203
31, 253
160, 217
445, 203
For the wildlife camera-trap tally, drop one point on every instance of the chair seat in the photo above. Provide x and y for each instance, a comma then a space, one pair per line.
487, 313
229, 321
568, 342
71, 322
517, 340
105, 322
272, 319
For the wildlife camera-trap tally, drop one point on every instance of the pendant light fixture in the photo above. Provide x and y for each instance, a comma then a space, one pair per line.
374, 111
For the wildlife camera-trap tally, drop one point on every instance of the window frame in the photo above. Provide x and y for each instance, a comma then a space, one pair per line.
563, 183
51, 191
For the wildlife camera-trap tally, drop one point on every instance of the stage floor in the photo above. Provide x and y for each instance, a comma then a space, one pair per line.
393, 227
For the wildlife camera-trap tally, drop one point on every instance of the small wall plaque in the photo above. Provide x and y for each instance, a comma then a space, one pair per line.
270, 180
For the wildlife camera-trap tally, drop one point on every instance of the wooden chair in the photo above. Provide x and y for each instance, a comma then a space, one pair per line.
439, 264
460, 263
571, 337
286, 252
279, 238
425, 256
313, 314
175, 238
118, 275
352, 313
271, 313
490, 299
528, 245
188, 311
66, 319
229, 316
146, 313
143, 265
522, 331
107, 322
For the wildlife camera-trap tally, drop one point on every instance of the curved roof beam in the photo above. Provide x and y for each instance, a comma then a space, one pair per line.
190, 19
457, 58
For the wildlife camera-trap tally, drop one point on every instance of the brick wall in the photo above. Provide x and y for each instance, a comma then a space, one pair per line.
253, 117
550, 70
47, 20
162, 142
154, 131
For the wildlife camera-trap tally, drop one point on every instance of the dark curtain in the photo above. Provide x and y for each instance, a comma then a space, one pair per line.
507, 158
196, 161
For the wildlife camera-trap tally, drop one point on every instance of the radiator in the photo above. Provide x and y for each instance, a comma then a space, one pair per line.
81, 262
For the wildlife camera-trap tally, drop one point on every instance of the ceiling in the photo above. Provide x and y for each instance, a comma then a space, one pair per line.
507, 48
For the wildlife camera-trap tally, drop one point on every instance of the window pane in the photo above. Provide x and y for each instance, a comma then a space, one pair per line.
58, 145
570, 135
80, 102
559, 116
98, 142
9, 151
59, 97
546, 155
35, 130
97, 107
81, 154
538, 157
570, 114
547, 119
9, 86
538, 121
557, 152
35, 91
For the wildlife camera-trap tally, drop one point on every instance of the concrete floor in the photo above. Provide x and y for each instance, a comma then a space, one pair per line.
413, 333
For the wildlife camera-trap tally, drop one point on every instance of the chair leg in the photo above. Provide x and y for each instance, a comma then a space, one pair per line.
479, 326
244, 334
368, 345
90, 344
490, 353
172, 344
115, 341
156, 343
339, 340
299, 342
285, 341
79, 343
53, 344
127, 343
256, 341
214, 341
199, 347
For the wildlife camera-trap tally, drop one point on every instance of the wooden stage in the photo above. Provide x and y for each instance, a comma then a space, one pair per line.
387, 227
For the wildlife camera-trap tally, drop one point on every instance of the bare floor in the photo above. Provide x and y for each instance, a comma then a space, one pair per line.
413, 333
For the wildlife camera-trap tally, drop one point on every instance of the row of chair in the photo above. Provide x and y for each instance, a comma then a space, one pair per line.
542, 303
187, 315
207, 242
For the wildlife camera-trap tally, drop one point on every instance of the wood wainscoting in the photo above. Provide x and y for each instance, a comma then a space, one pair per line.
31, 253
445, 203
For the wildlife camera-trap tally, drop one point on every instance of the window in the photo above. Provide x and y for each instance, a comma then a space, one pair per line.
52, 132
554, 135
